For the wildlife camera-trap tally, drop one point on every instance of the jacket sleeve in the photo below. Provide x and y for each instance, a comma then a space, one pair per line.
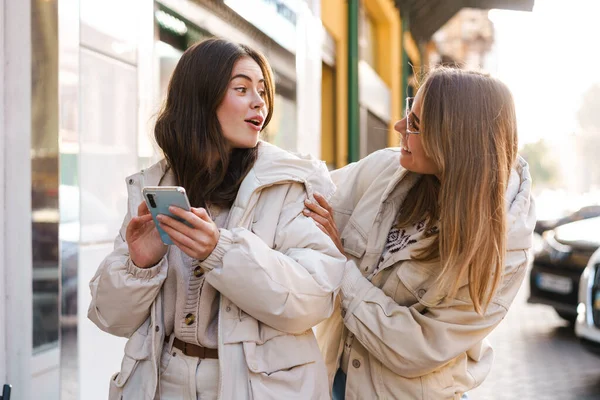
122, 293
414, 341
293, 285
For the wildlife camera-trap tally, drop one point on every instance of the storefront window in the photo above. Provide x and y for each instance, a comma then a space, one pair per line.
44, 175
367, 38
281, 131
175, 36
122, 31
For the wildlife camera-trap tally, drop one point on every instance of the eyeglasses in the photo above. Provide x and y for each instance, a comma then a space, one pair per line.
411, 117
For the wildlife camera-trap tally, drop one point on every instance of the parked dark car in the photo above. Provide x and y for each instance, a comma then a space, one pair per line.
587, 327
558, 264
583, 213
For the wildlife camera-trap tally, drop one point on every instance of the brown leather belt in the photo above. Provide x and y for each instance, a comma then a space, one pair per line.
194, 350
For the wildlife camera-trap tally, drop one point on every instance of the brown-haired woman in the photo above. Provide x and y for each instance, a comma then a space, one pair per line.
437, 234
226, 312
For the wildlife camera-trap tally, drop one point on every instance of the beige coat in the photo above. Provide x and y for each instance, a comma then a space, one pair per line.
278, 276
407, 340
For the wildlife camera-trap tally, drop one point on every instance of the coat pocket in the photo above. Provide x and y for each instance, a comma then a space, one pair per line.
353, 240
137, 349
286, 367
419, 280
118, 380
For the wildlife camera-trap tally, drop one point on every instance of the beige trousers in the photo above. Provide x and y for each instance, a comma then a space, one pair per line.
187, 378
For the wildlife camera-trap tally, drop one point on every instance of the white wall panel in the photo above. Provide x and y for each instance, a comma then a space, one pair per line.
15, 129
46, 375
100, 354
3, 318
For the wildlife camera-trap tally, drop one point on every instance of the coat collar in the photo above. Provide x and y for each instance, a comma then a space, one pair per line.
520, 208
273, 166
393, 190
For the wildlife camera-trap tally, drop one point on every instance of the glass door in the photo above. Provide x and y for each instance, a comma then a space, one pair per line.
44, 199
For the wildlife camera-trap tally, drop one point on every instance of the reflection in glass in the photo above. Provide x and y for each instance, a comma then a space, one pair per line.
44, 174
108, 138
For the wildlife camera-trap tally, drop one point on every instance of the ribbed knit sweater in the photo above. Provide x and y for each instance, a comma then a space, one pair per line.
186, 294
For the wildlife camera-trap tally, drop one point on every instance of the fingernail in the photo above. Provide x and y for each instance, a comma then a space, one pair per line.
171, 208
307, 201
306, 212
159, 217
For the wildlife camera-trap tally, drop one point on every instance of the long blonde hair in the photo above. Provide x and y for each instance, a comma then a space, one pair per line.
468, 128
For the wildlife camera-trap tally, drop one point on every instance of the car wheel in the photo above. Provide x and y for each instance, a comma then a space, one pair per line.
567, 317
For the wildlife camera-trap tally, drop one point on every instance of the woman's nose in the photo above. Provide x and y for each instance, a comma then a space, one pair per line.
258, 101
400, 126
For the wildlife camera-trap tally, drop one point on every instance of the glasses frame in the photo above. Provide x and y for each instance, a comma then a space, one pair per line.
408, 110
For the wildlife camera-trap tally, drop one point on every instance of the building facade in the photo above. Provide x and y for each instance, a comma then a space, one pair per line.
81, 83
466, 40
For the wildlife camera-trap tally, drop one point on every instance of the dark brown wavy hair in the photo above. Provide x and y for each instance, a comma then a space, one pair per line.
187, 129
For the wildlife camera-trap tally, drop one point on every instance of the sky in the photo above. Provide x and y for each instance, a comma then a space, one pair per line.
548, 57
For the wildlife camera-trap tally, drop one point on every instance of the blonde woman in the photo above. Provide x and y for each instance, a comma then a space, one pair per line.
437, 235
226, 311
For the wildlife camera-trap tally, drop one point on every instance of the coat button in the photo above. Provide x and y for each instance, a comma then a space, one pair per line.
157, 328
189, 319
421, 292
131, 181
198, 272
228, 308
356, 363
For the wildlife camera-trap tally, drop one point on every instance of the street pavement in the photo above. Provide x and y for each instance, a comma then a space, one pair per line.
538, 357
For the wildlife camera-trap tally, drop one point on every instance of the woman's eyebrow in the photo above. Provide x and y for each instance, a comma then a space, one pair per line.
246, 77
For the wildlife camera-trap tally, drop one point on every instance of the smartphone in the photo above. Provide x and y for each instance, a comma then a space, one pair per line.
159, 199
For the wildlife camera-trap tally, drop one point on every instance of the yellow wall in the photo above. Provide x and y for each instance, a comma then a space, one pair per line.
334, 14
412, 50
328, 117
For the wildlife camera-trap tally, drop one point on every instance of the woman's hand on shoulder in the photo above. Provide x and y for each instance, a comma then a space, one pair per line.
145, 245
197, 240
320, 211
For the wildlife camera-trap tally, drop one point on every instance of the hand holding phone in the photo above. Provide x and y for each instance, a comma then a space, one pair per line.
145, 245
190, 229
159, 199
